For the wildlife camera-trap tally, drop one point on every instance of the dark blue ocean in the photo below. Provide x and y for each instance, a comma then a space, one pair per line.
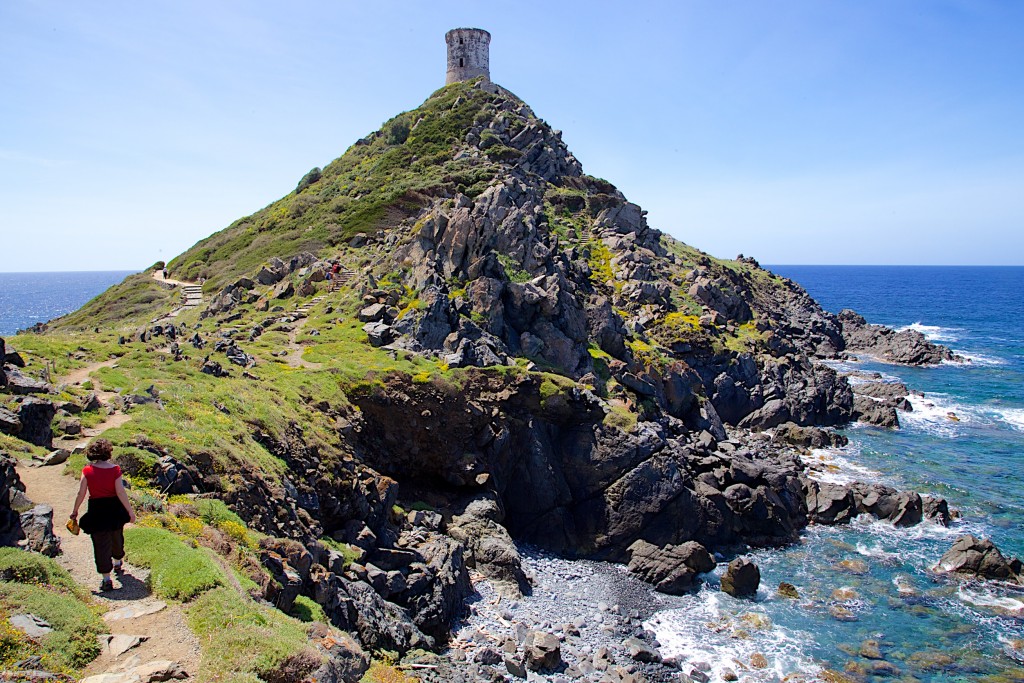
30, 298
867, 590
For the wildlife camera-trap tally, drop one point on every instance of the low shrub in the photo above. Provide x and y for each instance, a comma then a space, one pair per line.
244, 639
33, 584
177, 571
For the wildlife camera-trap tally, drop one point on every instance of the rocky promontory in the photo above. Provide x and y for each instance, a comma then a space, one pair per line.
450, 342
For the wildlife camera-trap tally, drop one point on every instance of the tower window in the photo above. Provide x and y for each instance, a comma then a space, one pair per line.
461, 62
460, 41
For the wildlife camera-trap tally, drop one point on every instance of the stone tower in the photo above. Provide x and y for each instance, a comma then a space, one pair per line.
468, 54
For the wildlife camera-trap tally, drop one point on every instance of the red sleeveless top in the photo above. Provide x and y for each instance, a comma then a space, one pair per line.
101, 480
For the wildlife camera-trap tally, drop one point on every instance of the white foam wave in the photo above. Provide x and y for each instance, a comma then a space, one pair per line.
725, 634
991, 599
938, 414
934, 332
834, 466
1012, 416
974, 359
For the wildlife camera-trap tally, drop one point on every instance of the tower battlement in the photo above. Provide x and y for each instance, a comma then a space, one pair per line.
468, 54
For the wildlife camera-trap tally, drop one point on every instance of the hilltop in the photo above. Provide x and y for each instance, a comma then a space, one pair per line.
448, 338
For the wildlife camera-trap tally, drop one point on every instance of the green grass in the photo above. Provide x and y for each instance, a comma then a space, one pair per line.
307, 610
390, 174
177, 571
242, 640
37, 585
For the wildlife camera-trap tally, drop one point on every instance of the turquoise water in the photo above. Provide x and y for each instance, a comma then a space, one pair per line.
869, 586
30, 298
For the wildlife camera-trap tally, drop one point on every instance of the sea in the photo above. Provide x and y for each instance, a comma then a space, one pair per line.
870, 607
30, 298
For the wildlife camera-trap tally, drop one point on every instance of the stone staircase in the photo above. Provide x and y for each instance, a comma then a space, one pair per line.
191, 296
306, 307
342, 278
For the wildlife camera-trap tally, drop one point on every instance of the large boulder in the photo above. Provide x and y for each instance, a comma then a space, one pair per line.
10, 485
981, 559
10, 423
490, 547
671, 569
37, 525
36, 416
742, 578
543, 651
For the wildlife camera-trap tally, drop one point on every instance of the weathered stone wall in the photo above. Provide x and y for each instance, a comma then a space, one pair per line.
468, 54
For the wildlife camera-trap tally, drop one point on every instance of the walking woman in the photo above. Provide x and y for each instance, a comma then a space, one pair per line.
109, 510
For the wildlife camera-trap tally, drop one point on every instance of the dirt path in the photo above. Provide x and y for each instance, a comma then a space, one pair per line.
294, 358
159, 275
167, 635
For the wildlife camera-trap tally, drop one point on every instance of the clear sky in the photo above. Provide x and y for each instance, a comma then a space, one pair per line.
796, 131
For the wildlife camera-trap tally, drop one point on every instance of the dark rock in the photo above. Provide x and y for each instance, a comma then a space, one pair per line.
742, 578
10, 423
671, 569
808, 437
788, 590
174, 478
906, 347
515, 665
971, 556
641, 651
37, 525
36, 416
22, 385
874, 412
57, 457
828, 503
490, 548
543, 651
344, 661
378, 333
10, 487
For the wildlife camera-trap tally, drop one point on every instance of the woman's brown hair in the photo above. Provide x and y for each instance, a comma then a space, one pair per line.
100, 449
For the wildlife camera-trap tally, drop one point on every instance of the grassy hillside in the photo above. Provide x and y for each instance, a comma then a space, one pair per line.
382, 178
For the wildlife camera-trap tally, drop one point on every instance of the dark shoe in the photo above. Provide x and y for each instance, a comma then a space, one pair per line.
119, 569
106, 585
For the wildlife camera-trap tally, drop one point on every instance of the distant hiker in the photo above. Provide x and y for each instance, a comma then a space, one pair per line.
165, 273
109, 510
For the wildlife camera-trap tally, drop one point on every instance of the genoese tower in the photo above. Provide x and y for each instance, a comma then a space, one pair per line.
468, 54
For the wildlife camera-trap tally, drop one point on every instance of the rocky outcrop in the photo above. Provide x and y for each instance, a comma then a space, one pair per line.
36, 417
741, 579
906, 347
10, 486
671, 569
490, 548
832, 504
981, 559
37, 526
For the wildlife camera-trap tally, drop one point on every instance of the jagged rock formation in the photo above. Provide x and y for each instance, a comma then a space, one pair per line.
980, 558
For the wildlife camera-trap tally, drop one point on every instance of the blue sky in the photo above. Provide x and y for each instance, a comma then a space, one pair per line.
818, 131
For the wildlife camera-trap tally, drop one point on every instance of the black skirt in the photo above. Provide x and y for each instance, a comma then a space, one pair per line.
104, 514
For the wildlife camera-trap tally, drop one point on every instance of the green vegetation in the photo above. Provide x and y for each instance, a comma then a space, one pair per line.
132, 302
245, 641
380, 180
178, 572
37, 585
